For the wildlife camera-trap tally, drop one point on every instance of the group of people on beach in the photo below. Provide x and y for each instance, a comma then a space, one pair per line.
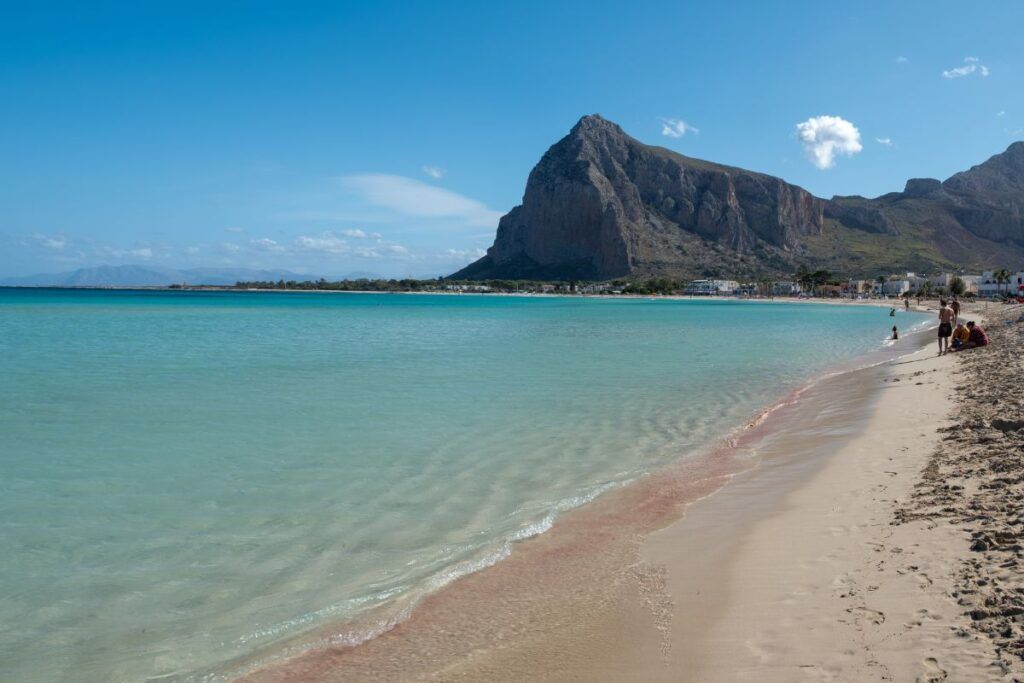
954, 335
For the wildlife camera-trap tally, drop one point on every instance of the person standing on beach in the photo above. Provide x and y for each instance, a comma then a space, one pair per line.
906, 302
945, 326
955, 305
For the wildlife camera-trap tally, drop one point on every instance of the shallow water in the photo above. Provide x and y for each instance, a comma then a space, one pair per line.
185, 477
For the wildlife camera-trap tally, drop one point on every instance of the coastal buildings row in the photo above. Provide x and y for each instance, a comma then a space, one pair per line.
988, 284
820, 284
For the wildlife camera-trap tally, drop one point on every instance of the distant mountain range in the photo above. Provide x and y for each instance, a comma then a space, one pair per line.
146, 276
600, 204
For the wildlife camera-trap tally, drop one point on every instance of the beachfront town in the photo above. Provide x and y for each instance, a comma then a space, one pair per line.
1001, 283
989, 284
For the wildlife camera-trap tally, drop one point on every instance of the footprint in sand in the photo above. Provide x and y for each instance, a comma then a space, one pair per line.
932, 672
865, 614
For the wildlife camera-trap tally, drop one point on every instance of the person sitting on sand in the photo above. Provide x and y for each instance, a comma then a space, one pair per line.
960, 336
945, 326
976, 336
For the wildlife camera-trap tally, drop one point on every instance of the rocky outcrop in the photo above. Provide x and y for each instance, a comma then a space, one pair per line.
601, 205
988, 199
922, 187
859, 213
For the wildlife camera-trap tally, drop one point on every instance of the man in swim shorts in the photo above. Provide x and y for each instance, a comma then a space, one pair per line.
945, 326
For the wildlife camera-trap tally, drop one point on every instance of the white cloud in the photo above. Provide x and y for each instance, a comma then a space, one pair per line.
884, 141
412, 197
114, 252
1001, 113
267, 244
230, 248
58, 243
234, 230
327, 242
358, 234
902, 60
676, 128
970, 66
192, 251
463, 256
824, 137
434, 172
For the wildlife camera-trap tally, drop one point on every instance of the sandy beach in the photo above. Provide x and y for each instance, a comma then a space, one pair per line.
871, 534
865, 570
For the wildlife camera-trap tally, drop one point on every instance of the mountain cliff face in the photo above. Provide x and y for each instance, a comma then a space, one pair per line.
988, 199
601, 204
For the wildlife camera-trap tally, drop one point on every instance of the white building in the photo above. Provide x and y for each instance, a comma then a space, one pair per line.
785, 288
467, 288
987, 285
916, 280
971, 283
895, 287
709, 287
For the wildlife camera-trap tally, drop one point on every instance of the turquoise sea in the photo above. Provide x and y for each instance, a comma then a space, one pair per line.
187, 477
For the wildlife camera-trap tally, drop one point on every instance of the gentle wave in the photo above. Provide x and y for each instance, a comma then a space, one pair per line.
404, 442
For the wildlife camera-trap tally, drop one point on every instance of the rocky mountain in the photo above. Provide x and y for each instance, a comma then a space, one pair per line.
145, 276
601, 205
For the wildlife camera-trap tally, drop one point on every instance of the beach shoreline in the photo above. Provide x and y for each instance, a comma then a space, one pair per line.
817, 583
640, 595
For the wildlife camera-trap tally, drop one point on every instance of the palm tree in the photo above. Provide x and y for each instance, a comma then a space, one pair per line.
805, 279
1002, 275
820, 277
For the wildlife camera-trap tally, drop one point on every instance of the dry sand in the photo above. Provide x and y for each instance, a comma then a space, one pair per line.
845, 554
825, 585
897, 560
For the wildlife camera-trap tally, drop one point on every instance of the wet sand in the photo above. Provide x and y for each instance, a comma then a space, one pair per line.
810, 564
819, 584
895, 559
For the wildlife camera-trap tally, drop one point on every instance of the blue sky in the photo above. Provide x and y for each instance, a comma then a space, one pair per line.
332, 138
